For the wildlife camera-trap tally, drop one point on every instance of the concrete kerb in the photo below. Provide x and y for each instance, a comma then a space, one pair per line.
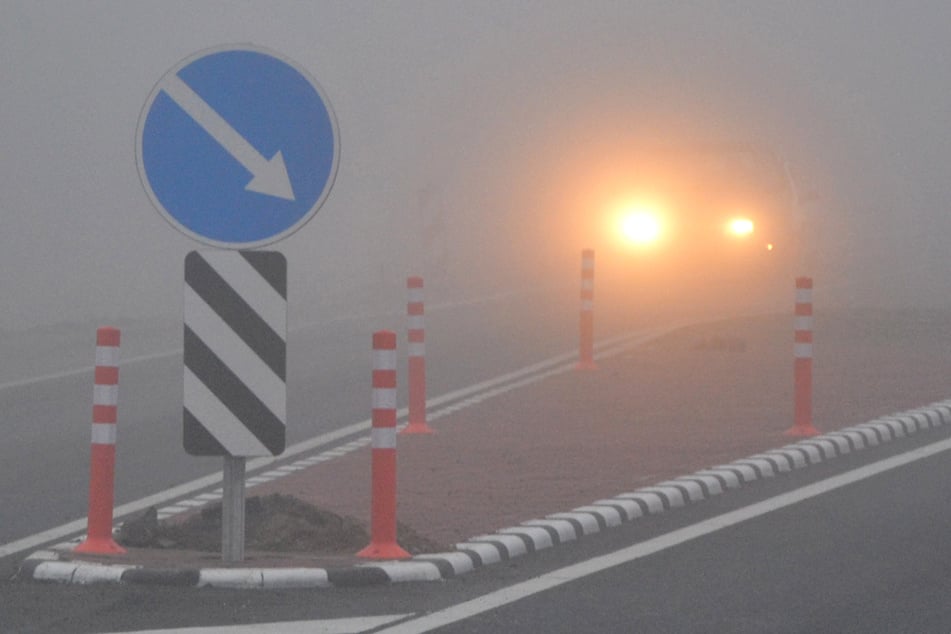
507, 543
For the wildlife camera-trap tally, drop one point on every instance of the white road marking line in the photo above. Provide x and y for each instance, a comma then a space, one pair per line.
299, 327
516, 592
325, 626
85, 369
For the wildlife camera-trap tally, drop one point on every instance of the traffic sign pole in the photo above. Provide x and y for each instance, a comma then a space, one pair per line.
232, 510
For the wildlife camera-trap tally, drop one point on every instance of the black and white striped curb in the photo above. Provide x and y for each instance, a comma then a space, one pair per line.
527, 537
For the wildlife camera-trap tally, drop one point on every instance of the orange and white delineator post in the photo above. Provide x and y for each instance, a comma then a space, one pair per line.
383, 442
586, 342
416, 335
802, 353
103, 454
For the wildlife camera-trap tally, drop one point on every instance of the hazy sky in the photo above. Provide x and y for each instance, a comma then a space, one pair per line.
471, 107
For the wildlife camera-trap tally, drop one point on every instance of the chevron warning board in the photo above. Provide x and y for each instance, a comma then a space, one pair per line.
235, 351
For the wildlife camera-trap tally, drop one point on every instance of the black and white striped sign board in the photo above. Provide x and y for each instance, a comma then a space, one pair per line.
235, 352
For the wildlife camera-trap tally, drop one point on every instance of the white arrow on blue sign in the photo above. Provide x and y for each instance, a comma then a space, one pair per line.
237, 147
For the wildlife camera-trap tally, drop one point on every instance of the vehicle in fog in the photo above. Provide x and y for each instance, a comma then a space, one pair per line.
702, 221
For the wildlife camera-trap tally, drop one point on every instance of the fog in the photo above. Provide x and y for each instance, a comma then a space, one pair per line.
469, 132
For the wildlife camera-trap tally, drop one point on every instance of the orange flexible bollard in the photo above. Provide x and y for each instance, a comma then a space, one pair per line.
103, 452
802, 353
383, 489
586, 343
416, 333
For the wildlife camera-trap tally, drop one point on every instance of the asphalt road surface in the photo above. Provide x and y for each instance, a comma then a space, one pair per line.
870, 556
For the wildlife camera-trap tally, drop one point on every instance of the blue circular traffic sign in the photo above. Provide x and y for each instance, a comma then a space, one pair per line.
237, 147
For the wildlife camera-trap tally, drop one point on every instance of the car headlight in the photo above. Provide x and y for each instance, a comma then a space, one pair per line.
740, 227
640, 227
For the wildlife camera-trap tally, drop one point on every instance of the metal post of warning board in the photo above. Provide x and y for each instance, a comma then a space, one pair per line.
235, 357
232, 510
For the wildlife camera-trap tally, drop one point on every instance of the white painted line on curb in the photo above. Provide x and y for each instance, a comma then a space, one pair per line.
516, 592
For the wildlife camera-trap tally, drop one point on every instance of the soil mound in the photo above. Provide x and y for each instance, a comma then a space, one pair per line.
275, 522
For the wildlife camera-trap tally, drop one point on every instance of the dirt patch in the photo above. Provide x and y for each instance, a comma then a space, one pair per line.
273, 523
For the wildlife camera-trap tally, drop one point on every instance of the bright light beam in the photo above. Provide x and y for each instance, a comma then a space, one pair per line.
640, 227
740, 227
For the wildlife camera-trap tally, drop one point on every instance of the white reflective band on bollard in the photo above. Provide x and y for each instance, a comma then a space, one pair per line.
384, 398
802, 322
802, 350
384, 359
103, 434
105, 394
383, 438
107, 356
